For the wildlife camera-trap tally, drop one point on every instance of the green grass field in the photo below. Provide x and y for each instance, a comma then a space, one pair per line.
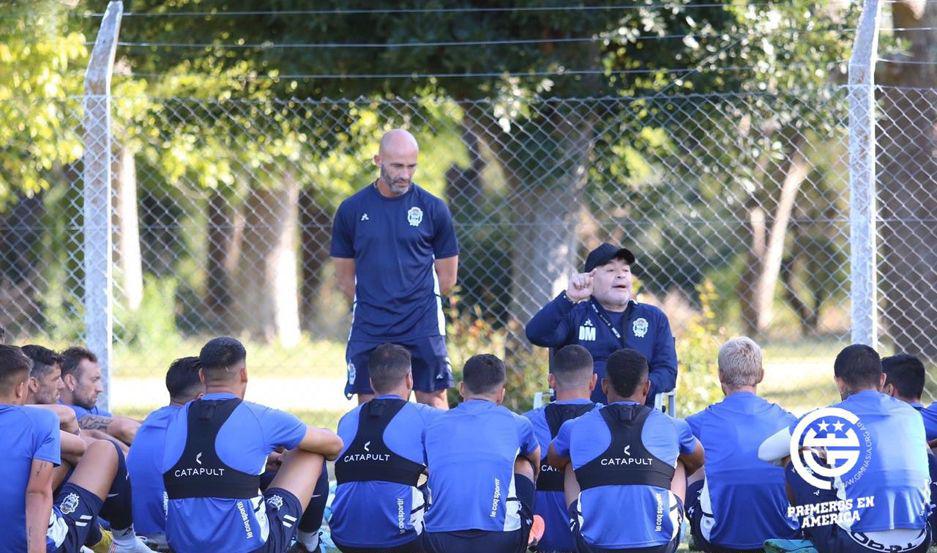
798, 376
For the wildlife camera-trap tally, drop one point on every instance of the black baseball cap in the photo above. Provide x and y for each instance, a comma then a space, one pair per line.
605, 253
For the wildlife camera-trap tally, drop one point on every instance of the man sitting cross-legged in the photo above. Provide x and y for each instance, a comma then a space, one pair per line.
378, 507
878, 502
482, 461
737, 484
572, 378
216, 448
629, 464
146, 453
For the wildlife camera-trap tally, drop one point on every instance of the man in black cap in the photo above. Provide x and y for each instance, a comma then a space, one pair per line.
598, 311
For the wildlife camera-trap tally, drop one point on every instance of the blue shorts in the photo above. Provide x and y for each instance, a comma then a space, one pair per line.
695, 515
74, 515
430, 360
582, 546
283, 513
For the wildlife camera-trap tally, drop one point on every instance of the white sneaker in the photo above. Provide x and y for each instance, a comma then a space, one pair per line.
138, 545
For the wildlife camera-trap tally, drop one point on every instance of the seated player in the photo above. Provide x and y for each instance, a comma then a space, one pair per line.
884, 493
738, 485
904, 380
30, 441
482, 461
573, 379
216, 448
45, 385
146, 453
377, 506
630, 464
82, 377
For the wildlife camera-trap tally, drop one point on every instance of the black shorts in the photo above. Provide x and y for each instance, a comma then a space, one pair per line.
73, 516
476, 541
582, 546
430, 360
283, 513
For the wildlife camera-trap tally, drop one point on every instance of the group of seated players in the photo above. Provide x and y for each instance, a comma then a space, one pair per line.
213, 473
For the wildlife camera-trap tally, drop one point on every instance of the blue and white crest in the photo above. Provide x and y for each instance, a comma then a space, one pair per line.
415, 216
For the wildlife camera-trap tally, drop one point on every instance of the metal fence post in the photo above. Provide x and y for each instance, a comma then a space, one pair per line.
98, 252
862, 189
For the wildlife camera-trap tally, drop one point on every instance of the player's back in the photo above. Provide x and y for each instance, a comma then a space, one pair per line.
373, 505
216, 448
470, 452
146, 477
551, 500
738, 485
625, 440
25, 434
894, 472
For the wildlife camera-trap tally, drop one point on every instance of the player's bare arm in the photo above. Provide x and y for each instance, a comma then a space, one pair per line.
38, 505
447, 271
345, 274
68, 422
556, 460
73, 447
95, 422
323, 442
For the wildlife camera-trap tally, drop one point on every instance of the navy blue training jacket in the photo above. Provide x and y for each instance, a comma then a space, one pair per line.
647, 330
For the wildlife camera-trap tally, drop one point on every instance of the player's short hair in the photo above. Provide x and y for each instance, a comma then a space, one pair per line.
572, 367
483, 374
43, 358
182, 379
858, 366
906, 373
220, 354
72, 358
740, 363
626, 370
388, 366
14, 366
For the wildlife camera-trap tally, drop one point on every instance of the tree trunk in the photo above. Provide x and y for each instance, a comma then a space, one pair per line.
223, 239
267, 269
316, 225
546, 202
129, 258
759, 280
907, 165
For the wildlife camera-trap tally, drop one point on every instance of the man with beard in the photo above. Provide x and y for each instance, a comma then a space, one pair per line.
598, 311
395, 256
83, 381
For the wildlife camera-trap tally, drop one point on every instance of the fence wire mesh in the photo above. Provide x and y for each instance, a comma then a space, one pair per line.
737, 205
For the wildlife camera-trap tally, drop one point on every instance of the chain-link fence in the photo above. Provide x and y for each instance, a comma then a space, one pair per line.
736, 204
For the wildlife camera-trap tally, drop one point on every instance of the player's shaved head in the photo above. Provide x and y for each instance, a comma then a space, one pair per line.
397, 140
396, 158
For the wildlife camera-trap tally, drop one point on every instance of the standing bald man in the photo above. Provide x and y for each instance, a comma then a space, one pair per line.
395, 256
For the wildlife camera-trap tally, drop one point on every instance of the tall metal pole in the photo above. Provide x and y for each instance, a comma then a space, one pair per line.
98, 250
862, 185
